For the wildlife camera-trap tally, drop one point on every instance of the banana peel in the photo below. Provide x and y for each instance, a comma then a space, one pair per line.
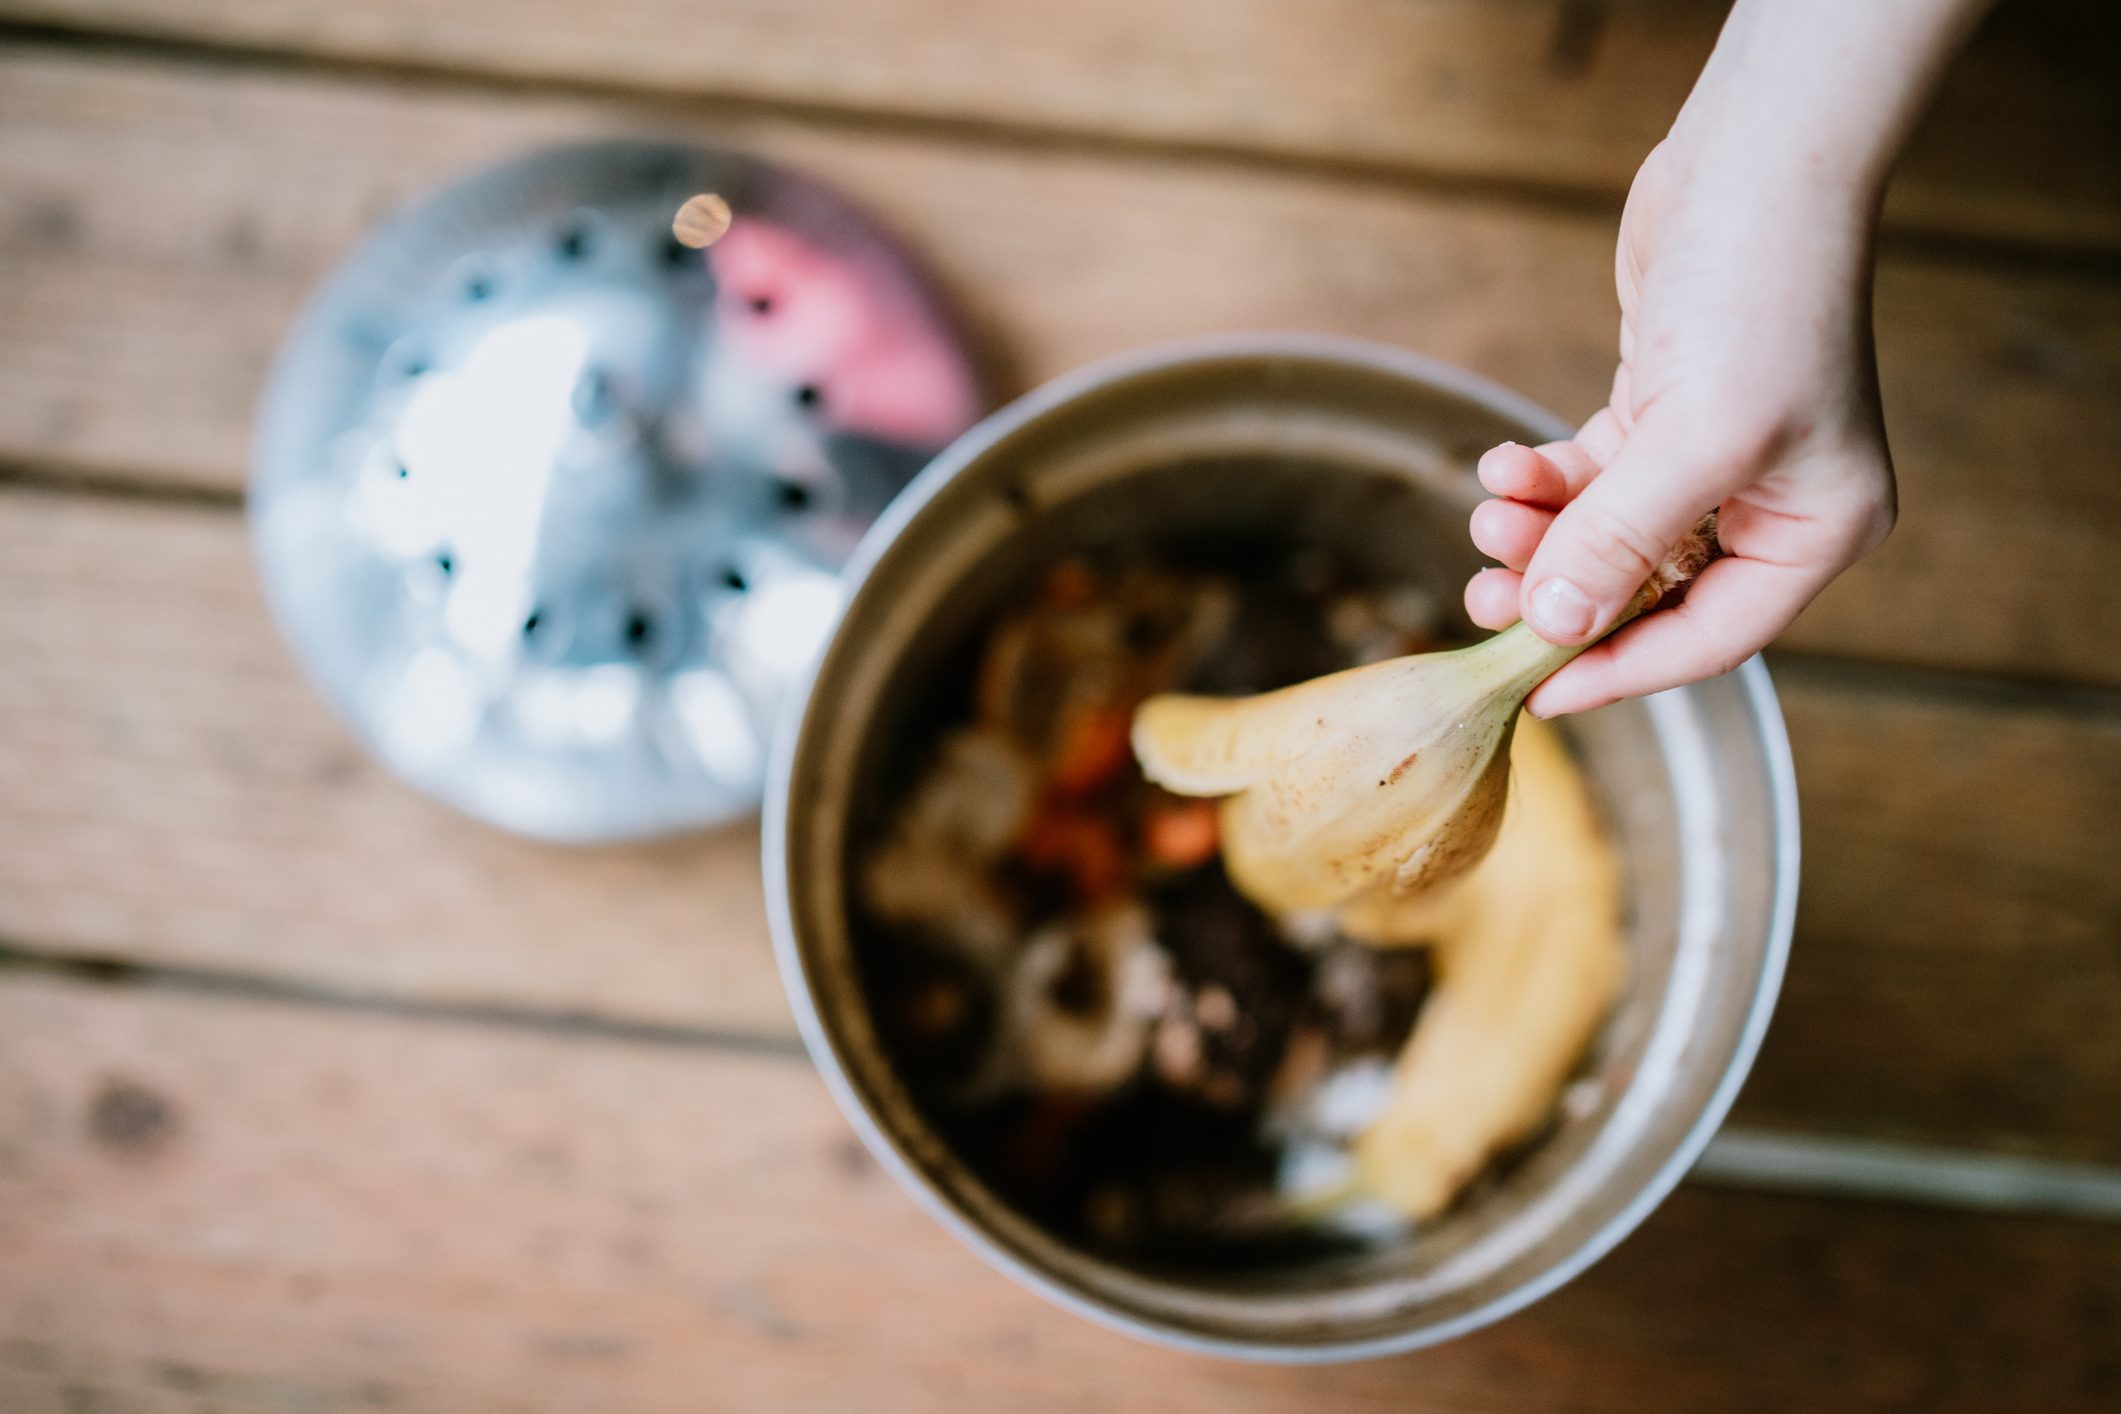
1391, 774
1528, 956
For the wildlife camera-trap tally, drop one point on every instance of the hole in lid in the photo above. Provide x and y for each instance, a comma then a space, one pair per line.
477, 288
404, 357
594, 399
531, 622
446, 562
762, 304
403, 471
793, 495
574, 242
638, 627
733, 578
809, 395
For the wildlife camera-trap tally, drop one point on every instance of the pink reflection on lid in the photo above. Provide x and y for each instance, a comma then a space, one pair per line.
851, 328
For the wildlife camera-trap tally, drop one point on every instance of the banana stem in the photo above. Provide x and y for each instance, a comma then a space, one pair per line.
1520, 660
1523, 660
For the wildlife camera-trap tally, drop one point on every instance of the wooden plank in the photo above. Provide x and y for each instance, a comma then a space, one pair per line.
207, 1202
1558, 93
171, 793
137, 348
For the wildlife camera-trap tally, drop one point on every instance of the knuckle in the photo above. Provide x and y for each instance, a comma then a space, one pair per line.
1612, 543
1733, 441
1879, 517
1867, 515
1750, 441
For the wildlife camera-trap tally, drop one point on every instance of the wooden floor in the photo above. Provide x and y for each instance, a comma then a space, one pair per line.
314, 1096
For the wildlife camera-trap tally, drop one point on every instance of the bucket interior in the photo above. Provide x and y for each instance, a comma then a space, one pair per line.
1271, 452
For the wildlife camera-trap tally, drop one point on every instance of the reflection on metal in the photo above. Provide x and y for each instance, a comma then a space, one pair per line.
552, 507
1911, 1173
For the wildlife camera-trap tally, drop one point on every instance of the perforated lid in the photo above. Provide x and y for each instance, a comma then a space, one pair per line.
552, 507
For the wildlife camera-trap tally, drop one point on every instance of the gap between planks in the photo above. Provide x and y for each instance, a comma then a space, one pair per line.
46, 477
106, 971
1740, 1157
1953, 687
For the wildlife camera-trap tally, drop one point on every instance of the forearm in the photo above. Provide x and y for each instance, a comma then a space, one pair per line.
1820, 93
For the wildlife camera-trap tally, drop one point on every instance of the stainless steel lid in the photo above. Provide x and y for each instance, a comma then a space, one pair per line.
552, 508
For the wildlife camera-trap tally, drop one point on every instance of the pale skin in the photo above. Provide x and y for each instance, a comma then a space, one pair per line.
1746, 381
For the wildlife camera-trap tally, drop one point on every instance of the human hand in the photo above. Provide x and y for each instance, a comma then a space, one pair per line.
1746, 384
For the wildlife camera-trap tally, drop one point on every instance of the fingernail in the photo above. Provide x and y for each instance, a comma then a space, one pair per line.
1560, 609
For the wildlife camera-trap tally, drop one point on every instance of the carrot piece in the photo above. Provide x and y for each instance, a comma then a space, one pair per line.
1094, 748
1099, 869
1080, 846
1182, 833
1044, 843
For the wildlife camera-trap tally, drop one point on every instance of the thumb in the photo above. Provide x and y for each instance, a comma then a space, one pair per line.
1606, 542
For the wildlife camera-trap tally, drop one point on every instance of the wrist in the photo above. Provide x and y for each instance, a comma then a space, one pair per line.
1740, 142
1812, 100
1728, 183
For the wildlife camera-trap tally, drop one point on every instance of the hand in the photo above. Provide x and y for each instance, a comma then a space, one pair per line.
1746, 383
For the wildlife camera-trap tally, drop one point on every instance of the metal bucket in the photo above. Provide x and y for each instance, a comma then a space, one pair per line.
1295, 436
